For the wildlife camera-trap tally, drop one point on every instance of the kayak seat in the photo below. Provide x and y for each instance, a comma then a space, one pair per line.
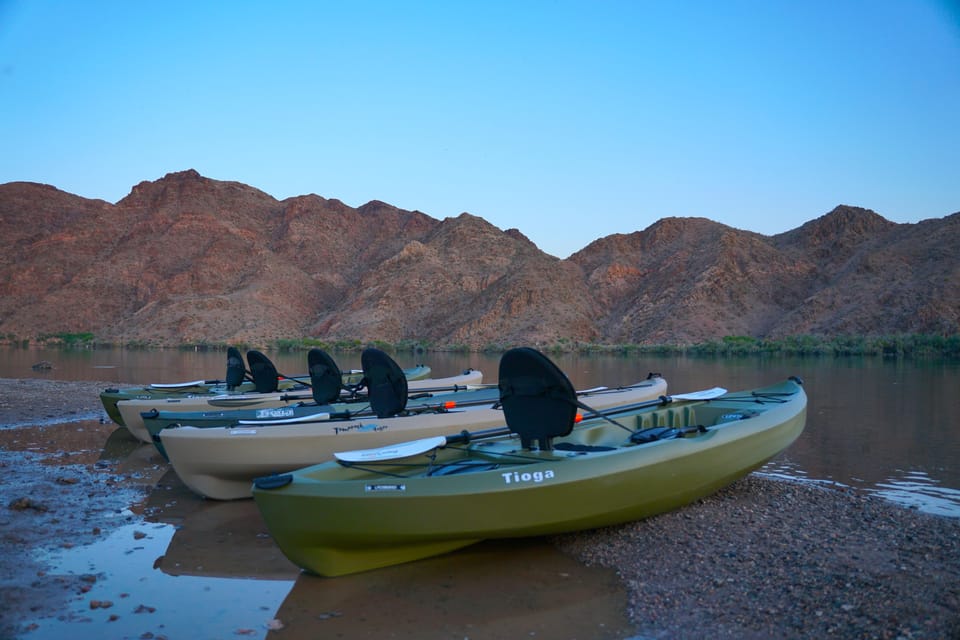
539, 402
385, 382
235, 369
263, 371
326, 379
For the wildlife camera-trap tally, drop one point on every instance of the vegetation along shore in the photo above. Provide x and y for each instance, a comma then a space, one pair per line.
896, 345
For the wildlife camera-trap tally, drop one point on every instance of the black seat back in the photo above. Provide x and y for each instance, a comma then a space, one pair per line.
385, 381
263, 372
235, 369
326, 379
538, 400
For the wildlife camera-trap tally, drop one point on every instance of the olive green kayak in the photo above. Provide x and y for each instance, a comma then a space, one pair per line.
378, 507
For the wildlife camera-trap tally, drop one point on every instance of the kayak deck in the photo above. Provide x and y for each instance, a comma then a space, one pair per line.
333, 519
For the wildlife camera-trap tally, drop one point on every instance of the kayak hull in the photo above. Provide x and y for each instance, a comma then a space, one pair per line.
131, 410
301, 413
111, 397
221, 462
331, 519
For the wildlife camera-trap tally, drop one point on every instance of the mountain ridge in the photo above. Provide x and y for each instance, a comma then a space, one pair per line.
190, 259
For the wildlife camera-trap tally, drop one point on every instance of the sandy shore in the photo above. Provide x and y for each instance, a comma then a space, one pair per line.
764, 558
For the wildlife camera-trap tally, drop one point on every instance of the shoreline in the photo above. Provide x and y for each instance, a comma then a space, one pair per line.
906, 345
762, 558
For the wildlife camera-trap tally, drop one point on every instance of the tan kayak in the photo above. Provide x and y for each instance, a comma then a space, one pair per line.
221, 462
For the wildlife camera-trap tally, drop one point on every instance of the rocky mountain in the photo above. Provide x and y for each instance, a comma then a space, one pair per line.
190, 259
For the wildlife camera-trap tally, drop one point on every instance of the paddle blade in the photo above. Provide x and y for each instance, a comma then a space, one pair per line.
706, 394
538, 400
235, 369
263, 372
385, 381
393, 451
326, 379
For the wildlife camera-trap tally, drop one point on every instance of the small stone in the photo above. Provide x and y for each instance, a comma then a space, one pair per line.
24, 503
274, 625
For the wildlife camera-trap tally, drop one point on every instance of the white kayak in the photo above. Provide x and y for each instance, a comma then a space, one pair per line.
221, 462
130, 410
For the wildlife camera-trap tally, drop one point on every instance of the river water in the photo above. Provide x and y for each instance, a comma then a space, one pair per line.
884, 426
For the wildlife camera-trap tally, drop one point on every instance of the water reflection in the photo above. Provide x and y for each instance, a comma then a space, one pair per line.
214, 539
495, 589
199, 568
128, 597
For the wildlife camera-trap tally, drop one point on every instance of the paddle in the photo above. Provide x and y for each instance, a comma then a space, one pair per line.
235, 374
334, 416
294, 396
705, 394
417, 447
183, 385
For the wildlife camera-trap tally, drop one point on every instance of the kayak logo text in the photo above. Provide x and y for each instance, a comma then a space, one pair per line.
516, 477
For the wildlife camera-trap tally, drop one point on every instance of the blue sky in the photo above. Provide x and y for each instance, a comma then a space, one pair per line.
567, 120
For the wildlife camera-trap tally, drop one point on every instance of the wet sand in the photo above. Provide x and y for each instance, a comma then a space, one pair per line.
763, 558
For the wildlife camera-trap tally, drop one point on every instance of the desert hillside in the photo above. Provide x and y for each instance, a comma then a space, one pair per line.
190, 259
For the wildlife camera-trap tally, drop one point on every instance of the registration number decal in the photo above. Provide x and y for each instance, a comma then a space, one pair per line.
284, 412
385, 487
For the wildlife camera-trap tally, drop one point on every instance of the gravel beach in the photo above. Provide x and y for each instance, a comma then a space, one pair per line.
764, 558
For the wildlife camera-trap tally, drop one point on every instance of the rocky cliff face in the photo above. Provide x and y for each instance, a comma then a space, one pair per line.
186, 258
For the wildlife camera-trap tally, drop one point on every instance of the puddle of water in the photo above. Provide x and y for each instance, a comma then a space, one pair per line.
144, 600
175, 565
174, 581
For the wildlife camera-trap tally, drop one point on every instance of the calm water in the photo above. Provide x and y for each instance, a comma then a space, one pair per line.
886, 426
882, 426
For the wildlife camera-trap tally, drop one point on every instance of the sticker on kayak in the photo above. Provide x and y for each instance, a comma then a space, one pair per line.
371, 488
536, 477
284, 412
361, 427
